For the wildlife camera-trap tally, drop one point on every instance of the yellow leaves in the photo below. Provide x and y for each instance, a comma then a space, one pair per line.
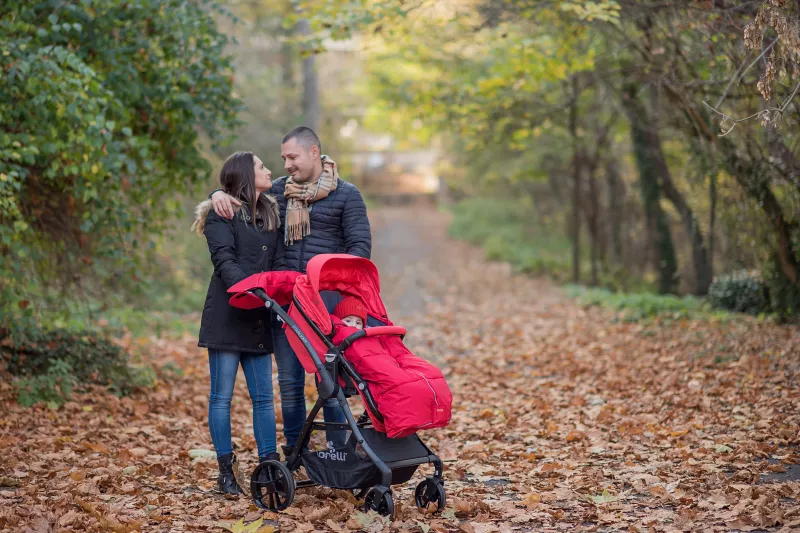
532, 500
573, 436
252, 527
493, 84
604, 497
99, 447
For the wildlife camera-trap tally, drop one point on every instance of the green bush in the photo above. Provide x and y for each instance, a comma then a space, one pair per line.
50, 364
637, 306
53, 387
742, 291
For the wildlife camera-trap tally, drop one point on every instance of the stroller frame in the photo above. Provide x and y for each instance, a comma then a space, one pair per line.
272, 483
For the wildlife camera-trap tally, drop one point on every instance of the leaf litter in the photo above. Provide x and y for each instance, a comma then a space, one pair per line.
564, 420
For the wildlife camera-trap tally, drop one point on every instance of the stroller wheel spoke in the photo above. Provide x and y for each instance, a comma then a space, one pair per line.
272, 486
430, 490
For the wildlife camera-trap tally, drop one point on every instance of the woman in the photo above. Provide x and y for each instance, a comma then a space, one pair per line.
245, 245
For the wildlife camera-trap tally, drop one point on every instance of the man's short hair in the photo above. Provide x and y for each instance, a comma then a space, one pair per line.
305, 137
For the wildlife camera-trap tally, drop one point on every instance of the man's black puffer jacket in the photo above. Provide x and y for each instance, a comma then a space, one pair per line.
339, 224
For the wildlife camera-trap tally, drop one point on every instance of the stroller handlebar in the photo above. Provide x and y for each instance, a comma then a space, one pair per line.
326, 386
261, 293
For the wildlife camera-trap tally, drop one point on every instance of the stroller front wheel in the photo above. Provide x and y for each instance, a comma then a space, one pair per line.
272, 486
430, 490
379, 501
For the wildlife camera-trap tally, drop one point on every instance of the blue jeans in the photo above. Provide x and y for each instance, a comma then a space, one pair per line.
258, 372
291, 380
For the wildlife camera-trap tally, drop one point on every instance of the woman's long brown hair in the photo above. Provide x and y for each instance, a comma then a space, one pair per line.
238, 178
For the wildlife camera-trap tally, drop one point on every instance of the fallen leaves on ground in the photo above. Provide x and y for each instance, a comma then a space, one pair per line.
564, 420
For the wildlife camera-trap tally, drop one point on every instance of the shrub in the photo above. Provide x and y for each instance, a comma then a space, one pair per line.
637, 306
741, 291
51, 363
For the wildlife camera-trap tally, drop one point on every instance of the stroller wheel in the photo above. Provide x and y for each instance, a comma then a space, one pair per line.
380, 503
430, 490
272, 486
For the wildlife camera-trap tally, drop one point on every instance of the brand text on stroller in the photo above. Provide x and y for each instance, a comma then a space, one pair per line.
332, 454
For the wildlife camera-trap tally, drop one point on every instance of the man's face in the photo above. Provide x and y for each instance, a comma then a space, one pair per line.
299, 162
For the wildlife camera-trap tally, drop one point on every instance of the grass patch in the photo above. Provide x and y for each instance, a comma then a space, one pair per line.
511, 231
632, 307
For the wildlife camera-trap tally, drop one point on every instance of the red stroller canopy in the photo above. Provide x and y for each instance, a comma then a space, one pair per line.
347, 274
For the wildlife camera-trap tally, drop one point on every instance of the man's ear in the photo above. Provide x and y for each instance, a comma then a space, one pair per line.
314, 151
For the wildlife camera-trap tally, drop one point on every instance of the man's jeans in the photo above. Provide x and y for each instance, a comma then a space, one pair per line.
291, 380
258, 372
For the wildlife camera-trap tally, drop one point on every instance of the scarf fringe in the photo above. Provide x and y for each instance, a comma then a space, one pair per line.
300, 195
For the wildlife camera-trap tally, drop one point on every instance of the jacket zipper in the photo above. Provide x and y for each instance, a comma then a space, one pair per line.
435, 400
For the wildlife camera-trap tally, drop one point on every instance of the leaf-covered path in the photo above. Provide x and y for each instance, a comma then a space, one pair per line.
564, 419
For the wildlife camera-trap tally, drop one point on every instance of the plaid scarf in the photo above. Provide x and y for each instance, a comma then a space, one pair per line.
300, 194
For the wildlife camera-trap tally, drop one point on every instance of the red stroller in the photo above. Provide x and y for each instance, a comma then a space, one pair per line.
402, 393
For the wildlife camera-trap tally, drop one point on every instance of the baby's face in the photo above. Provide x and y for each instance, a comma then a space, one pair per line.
353, 321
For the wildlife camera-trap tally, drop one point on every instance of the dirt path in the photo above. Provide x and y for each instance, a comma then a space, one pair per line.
564, 420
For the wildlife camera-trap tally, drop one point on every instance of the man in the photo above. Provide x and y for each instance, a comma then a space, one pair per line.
320, 214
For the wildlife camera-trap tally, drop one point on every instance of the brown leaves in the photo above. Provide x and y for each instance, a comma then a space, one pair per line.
561, 417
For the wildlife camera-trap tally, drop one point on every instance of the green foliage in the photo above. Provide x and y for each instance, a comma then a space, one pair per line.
742, 291
50, 363
509, 231
637, 306
784, 296
102, 104
54, 387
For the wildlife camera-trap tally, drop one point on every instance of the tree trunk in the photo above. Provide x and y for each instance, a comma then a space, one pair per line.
753, 180
700, 261
666, 263
575, 226
592, 219
311, 106
712, 218
615, 209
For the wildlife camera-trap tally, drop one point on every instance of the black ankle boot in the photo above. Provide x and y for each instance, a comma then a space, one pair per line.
287, 451
226, 482
272, 456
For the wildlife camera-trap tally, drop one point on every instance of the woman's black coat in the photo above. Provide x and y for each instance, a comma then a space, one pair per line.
239, 248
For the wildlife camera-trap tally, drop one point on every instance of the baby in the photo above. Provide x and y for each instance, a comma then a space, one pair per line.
352, 312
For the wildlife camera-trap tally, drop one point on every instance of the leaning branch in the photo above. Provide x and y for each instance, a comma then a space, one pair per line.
766, 115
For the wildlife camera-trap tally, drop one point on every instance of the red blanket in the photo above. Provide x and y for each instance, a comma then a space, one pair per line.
409, 392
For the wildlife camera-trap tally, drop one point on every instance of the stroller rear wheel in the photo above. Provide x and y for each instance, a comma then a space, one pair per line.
430, 490
272, 486
380, 502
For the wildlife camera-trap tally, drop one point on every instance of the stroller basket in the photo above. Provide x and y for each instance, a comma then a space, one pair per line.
348, 467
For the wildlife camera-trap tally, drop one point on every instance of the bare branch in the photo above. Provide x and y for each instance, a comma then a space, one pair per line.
764, 114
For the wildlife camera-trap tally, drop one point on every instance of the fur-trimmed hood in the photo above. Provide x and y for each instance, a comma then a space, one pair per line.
205, 207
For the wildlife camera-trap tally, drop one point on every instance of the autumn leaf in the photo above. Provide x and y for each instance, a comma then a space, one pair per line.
531, 500
252, 527
604, 497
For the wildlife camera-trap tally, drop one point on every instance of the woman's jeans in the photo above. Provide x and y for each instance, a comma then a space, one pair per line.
258, 373
291, 380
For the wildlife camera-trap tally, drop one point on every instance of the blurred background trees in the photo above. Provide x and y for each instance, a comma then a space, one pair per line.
632, 145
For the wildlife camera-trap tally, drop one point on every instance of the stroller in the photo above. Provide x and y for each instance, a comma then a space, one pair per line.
376, 451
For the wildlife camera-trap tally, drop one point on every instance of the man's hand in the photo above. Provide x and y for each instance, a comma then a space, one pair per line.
223, 204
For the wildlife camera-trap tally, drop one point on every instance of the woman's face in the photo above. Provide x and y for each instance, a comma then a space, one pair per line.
263, 175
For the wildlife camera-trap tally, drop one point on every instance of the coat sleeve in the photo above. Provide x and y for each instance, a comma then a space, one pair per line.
355, 226
222, 245
279, 257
